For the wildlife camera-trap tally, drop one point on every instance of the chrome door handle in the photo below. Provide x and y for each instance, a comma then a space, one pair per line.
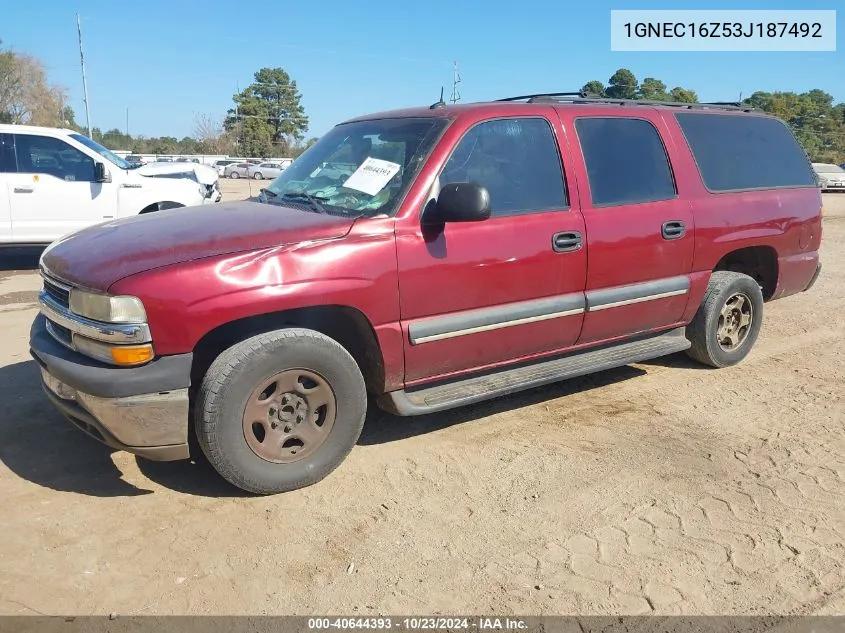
24, 189
566, 242
672, 230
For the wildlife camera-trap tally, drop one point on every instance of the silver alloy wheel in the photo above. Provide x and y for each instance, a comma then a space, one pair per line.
734, 322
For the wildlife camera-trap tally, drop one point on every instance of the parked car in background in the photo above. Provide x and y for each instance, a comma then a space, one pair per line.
475, 251
237, 170
265, 171
55, 181
220, 166
135, 159
830, 177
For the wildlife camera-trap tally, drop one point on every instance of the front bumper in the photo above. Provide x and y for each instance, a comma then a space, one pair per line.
213, 193
141, 410
833, 186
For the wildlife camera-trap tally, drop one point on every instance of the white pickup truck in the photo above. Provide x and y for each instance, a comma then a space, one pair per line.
56, 181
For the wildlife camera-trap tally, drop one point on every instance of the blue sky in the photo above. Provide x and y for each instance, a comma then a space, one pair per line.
169, 61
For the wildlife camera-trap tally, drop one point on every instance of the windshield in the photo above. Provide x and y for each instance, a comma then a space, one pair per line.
361, 168
828, 169
102, 151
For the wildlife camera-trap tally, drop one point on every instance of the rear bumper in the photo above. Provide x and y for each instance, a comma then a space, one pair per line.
814, 277
797, 273
142, 410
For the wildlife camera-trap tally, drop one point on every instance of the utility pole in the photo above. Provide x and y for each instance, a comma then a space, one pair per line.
84, 83
239, 134
456, 79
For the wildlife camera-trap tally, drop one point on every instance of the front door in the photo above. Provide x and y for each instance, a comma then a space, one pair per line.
640, 231
473, 295
53, 191
7, 165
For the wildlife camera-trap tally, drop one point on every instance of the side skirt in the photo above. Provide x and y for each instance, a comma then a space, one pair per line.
505, 381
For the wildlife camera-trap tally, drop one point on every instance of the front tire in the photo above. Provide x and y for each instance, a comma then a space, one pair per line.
258, 176
280, 411
728, 321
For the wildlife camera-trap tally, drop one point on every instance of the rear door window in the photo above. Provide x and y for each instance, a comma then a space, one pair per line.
626, 161
736, 153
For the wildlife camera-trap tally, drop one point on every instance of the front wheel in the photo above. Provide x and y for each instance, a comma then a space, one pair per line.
258, 176
280, 411
728, 321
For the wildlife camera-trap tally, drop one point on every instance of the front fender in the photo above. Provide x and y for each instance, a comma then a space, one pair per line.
134, 198
185, 301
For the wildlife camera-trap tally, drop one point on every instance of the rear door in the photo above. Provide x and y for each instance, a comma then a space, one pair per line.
54, 191
639, 230
478, 294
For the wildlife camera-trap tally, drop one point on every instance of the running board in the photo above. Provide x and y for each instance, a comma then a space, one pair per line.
502, 382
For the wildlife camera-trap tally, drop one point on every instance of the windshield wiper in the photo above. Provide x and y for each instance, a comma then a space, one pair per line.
316, 206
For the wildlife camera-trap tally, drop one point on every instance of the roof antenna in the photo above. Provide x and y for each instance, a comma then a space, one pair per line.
440, 103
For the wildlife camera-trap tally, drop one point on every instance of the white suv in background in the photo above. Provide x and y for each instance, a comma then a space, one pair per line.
55, 181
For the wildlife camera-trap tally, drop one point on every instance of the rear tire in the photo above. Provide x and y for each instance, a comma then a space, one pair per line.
258, 409
728, 321
234, 175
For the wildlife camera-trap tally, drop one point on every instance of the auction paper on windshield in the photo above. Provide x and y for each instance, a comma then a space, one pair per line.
372, 176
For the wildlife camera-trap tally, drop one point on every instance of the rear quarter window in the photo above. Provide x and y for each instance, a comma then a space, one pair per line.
740, 153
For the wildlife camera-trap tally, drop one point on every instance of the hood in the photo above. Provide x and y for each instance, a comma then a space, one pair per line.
203, 174
98, 256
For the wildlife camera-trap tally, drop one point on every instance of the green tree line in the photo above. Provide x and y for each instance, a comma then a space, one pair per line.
818, 123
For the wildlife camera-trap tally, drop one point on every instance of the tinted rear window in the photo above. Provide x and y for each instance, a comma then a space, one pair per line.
626, 161
745, 152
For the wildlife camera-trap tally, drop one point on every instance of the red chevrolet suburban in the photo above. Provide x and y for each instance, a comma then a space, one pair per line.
431, 257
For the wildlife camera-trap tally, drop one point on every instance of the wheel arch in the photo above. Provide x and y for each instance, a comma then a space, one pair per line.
161, 206
758, 262
346, 325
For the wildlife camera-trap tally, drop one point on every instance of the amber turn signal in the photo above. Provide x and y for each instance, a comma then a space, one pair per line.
132, 354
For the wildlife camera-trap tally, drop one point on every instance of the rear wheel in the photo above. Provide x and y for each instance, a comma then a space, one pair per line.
728, 321
280, 410
234, 175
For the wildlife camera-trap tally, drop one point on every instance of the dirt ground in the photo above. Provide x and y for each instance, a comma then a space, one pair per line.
656, 488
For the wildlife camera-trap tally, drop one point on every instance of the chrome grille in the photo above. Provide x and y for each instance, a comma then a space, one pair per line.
59, 293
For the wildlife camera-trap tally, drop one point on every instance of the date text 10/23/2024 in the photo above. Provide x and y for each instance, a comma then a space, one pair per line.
711, 30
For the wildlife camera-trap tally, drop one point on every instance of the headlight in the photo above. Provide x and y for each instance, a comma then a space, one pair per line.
203, 191
106, 308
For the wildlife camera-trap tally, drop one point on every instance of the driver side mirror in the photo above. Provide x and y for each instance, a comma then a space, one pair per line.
459, 202
100, 173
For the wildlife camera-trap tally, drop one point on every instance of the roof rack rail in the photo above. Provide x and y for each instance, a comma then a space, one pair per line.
544, 94
581, 97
